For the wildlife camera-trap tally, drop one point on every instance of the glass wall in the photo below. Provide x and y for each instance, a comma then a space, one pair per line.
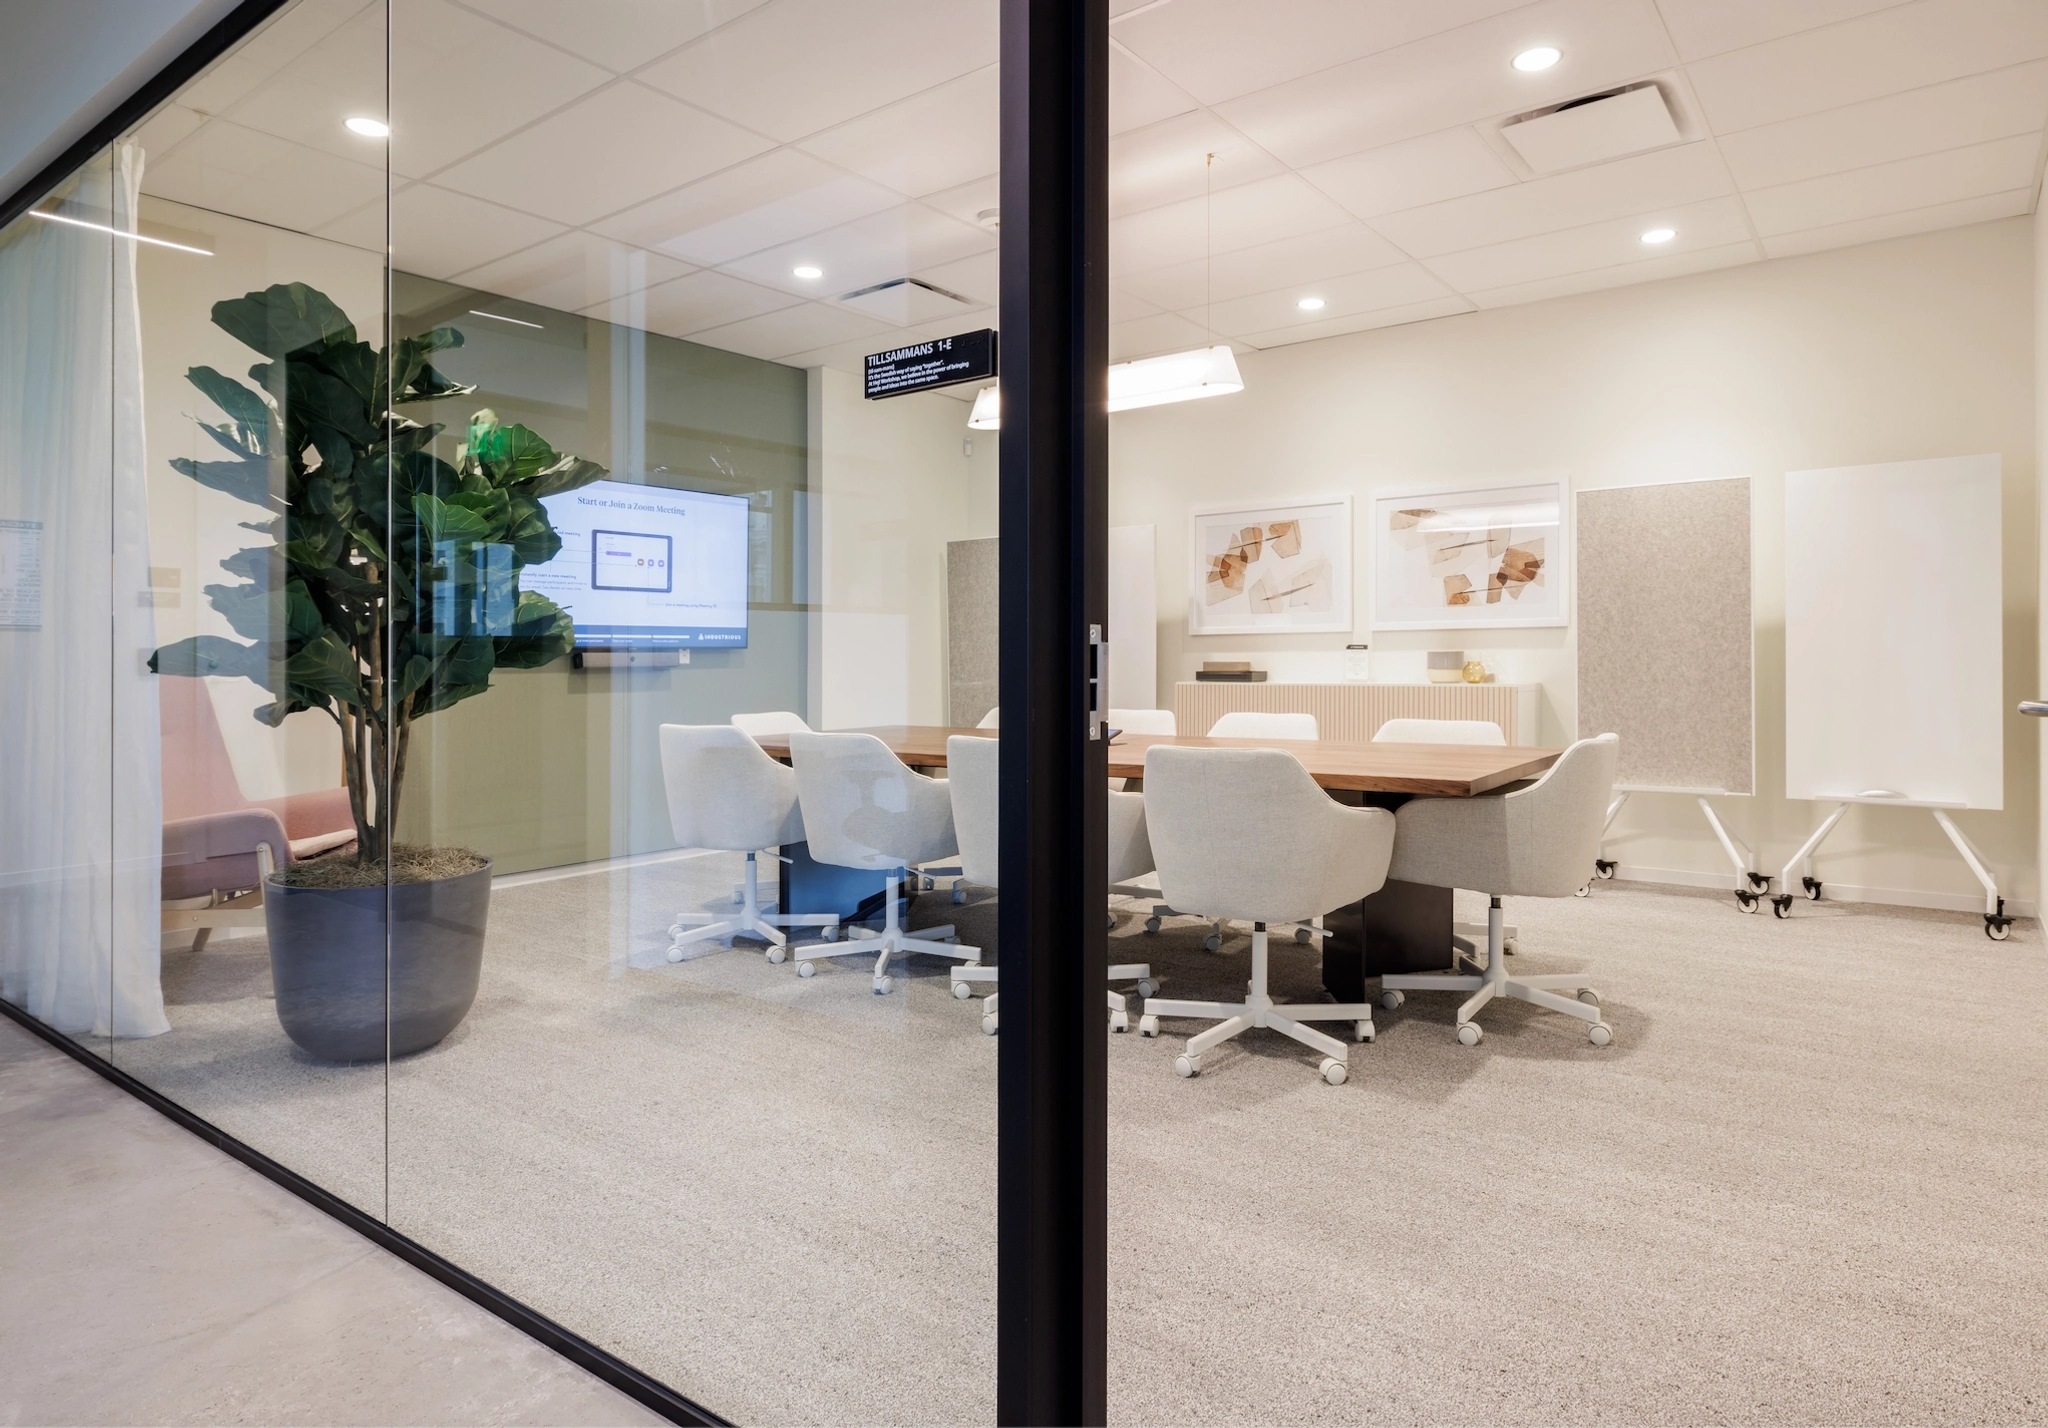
471, 396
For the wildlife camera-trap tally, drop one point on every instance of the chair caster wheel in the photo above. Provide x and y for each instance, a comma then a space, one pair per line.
777, 955
1148, 1026
1747, 901
1147, 988
883, 986
1185, 1065
1586, 891
928, 885
1212, 942
1599, 1033
807, 969
1469, 1034
1998, 928
676, 929
1590, 997
959, 894
962, 991
1151, 924
1333, 1071
988, 1024
675, 953
1119, 1021
1510, 947
1362, 1031
1812, 886
1782, 905
1391, 1000
1303, 935
1604, 867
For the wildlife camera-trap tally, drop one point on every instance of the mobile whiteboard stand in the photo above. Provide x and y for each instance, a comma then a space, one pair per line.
1997, 926
1751, 886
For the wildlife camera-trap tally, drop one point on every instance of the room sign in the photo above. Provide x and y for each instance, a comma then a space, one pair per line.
942, 362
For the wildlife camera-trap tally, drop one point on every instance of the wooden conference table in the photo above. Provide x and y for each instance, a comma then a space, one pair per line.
1405, 927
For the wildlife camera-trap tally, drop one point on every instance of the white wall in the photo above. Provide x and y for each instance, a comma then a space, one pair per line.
891, 483
1911, 348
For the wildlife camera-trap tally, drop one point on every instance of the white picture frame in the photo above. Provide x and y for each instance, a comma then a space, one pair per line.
1283, 567
1492, 557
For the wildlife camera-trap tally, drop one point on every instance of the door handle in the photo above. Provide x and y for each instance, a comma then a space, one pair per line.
2036, 707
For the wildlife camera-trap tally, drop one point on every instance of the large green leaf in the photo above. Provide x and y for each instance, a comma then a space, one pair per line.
318, 399
249, 412
565, 475
529, 532
283, 318
443, 520
213, 655
328, 665
244, 480
509, 454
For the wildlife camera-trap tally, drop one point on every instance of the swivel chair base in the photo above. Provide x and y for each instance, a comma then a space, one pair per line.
891, 942
749, 921
1259, 1009
1493, 981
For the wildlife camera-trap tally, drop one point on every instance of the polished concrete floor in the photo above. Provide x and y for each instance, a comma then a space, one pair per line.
147, 1278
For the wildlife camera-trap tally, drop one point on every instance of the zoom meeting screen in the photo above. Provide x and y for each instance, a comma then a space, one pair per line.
646, 567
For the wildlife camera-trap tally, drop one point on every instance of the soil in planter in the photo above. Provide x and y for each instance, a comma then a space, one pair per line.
408, 865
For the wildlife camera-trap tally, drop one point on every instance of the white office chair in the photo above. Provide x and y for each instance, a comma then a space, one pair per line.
1440, 731
1251, 724
725, 793
1535, 842
1465, 936
1143, 721
1248, 832
863, 809
973, 774
775, 721
992, 719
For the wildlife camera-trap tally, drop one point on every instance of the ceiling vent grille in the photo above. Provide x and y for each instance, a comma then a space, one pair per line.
1594, 129
906, 301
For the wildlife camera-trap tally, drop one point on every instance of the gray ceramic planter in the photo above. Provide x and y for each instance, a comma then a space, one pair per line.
327, 960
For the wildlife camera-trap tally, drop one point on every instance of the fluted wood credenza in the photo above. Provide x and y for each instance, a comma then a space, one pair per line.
1354, 712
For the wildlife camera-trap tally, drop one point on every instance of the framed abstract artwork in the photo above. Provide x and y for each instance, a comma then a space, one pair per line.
1278, 569
1488, 557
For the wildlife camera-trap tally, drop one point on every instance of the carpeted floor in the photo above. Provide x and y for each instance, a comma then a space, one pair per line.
1802, 1185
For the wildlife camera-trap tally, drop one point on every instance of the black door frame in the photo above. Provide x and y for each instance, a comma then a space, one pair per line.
1052, 1111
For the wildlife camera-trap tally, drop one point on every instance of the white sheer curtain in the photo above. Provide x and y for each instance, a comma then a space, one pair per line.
81, 806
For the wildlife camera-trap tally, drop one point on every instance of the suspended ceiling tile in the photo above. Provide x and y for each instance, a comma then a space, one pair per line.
438, 233
1412, 173
1139, 94
621, 35
1219, 49
1885, 52
1663, 179
246, 174
289, 34
893, 244
700, 300
792, 329
1923, 182
1304, 258
1360, 322
978, 278
1454, 78
1150, 336
1124, 307
798, 66
775, 198
308, 98
163, 131
1240, 217
1710, 27
572, 271
1899, 225
1167, 162
969, 200
1402, 285
1898, 126
1676, 265
1613, 242
608, 152
924, 144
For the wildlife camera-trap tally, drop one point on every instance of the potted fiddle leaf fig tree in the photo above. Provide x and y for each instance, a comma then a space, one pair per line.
385, 589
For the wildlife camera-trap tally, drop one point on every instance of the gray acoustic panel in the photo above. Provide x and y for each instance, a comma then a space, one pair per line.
1664, 632
973, 629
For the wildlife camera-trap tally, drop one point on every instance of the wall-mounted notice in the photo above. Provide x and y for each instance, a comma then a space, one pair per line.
21, 575
942, 362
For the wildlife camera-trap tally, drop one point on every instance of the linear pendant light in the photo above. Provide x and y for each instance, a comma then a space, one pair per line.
1209, 371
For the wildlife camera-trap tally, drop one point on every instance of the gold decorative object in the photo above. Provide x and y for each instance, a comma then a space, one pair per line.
1475, 672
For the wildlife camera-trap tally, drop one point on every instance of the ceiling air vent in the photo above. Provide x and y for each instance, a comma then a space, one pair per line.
906, 301
1594, 129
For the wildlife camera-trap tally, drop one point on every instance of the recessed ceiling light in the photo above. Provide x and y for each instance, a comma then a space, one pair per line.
1542, 57
1310, 304
1660, 235
369, 128
807, 272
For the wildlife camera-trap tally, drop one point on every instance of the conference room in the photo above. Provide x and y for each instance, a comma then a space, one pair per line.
1512, 710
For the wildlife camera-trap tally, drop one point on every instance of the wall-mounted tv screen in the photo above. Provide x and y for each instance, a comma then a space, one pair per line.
647, 567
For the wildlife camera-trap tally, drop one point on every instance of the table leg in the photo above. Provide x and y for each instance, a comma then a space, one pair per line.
1404, 927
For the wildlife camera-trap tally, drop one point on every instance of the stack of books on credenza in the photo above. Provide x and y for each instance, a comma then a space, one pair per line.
1353, 713
1229, 671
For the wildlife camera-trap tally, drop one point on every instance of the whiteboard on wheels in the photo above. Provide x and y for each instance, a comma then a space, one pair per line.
1894, 683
